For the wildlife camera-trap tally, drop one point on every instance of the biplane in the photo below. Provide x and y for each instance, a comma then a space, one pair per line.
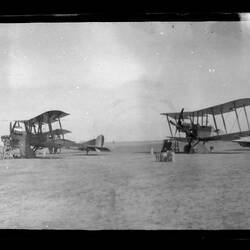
91, 145
196, 127
36, 133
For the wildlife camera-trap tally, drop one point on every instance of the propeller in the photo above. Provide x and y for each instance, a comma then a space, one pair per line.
180, 117
178, 125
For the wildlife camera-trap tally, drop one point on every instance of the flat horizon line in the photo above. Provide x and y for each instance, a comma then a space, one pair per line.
156, 140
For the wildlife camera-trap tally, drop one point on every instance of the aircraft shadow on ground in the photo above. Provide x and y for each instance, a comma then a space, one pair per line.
62, 156
239, 149
198, 153
47, 157
81, 154
226, 152
88, 155
141, 152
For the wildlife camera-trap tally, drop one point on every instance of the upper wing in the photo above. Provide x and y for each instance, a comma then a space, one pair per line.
52, 116
58, 132
217, 109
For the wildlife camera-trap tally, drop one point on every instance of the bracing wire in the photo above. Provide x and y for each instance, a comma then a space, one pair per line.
234, 121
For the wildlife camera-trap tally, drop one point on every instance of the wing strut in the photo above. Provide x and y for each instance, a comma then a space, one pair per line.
215, 124
34, 127
40, 127
235, 109
190, 118
224, 122
246, 117
60, 127
27, 128
50, 130
13, 127
206, 120
169, 126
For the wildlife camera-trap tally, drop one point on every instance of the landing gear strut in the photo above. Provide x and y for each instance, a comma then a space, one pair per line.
189, 148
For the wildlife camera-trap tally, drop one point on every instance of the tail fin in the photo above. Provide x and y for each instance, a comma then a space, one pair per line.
94, 144
99, 141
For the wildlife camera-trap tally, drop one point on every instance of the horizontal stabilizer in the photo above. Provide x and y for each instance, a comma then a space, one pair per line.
103, 149
95, 148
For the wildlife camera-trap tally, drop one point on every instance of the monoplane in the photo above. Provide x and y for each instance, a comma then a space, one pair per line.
196, 128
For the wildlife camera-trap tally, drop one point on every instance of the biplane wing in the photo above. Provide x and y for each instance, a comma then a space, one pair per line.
58, 132
227, 137
213, 110
224, 137
243, 141
48, 117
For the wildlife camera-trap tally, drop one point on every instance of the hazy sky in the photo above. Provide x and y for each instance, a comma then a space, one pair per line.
116, 78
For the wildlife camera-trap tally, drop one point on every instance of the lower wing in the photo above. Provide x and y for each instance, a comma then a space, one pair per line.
227, 137
180, 139
223, 137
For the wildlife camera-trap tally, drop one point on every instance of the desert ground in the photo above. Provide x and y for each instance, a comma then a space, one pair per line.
127, 189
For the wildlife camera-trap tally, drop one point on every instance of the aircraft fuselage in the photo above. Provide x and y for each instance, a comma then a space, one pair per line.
198, 130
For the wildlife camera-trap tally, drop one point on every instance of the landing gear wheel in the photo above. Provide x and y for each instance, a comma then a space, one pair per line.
55, 150
187, 148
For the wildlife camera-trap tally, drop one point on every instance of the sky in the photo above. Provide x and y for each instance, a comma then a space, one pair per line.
116, 78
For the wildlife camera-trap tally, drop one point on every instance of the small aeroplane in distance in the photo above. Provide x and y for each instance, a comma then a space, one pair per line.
91, 145
194, 124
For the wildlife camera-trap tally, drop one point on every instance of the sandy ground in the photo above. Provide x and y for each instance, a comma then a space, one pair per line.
126, 190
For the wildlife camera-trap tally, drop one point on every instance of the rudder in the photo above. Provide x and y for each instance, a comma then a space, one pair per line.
99, 141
